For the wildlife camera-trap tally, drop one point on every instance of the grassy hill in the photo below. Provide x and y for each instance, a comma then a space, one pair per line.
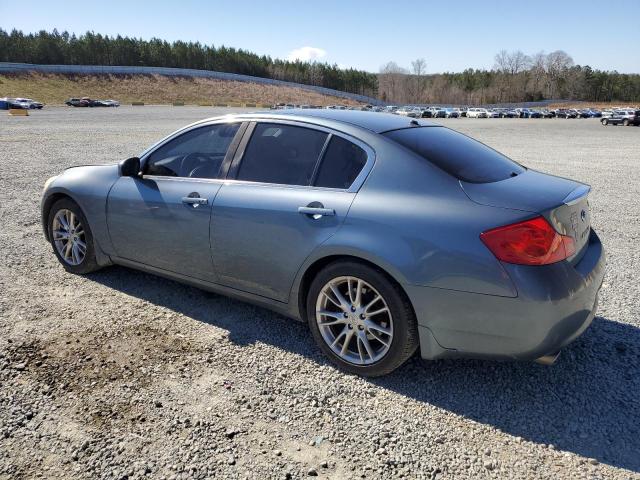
155, 89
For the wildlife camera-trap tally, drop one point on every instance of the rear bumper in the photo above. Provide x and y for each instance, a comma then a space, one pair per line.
555, 304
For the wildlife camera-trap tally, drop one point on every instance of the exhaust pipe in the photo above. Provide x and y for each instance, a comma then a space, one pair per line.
548, 359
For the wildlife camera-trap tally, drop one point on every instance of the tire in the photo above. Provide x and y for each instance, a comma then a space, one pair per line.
625, 122
605, 122
73, 264
398, 318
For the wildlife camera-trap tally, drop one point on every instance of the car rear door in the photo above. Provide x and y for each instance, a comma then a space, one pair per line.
289, 189
162, 218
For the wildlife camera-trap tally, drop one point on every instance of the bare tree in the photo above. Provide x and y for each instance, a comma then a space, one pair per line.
419, 67
518, 62
392, 79
391, 68
557, 65
538, 62
502, 61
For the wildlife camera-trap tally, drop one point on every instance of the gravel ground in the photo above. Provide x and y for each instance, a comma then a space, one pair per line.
120, 374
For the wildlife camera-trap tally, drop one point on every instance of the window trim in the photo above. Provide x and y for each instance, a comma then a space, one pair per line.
226, 161
353, 188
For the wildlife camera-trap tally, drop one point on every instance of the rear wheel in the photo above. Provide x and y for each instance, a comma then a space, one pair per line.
71, 237
361, 319
625, 122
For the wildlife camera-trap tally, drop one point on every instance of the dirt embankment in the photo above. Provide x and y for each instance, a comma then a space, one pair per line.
155, 89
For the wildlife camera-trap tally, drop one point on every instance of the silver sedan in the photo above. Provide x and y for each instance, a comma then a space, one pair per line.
388, 235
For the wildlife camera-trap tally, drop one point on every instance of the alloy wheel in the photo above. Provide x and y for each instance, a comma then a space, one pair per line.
354, 320
69, 237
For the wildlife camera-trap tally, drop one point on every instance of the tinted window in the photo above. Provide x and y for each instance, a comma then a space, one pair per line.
341, 164
281, 154
457, 154
197, 153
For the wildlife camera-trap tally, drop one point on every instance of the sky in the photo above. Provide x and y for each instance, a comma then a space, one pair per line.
450, 36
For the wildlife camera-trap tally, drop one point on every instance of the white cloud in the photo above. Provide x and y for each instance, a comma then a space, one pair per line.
306, 54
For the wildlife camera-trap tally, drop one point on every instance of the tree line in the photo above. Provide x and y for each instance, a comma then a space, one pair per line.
515, 77
96, 49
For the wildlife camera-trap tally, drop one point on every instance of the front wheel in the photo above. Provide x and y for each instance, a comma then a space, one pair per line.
361, 319
605, 122
625, 122
71, 237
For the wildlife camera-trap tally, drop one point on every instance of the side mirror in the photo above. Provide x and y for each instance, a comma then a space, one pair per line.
130, 167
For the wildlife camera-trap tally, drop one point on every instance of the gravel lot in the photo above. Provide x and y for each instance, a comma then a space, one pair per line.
122, 375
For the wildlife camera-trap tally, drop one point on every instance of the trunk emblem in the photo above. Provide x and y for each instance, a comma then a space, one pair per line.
574, 222
583, 215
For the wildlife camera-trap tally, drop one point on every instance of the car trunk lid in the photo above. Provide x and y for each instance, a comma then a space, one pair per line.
561, 201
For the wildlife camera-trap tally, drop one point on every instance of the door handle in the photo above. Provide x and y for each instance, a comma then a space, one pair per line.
195, 201
317, 212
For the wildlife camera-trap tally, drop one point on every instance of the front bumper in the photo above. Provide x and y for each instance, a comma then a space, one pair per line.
555, 304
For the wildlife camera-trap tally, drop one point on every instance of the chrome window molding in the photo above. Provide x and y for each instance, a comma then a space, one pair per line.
353, 188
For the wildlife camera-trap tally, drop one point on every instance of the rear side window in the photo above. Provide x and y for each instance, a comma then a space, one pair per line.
282, 154
341, 164
464, 158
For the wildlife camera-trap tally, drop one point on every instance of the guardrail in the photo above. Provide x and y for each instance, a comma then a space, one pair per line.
10, 67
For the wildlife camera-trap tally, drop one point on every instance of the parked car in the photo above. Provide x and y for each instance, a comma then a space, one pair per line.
606, 113
477, 113
564, 113
462, 111
623, 117
403, 111
544, 113
451, 113
582, 113
104, 103
28, 103
499, 261
77, 102
532, 113
590, 113
438, 112
20, 103
492, 113
425, 112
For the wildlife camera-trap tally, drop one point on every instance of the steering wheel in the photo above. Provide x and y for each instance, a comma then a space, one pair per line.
191, 162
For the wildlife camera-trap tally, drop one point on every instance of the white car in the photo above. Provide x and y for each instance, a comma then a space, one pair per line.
477, 113
25, 103
493, 114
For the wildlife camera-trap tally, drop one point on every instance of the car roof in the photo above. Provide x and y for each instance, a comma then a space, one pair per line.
374, 121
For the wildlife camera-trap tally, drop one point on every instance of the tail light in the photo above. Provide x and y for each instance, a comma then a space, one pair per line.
532, 242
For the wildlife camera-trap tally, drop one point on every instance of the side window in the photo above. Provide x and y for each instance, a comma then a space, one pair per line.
341, 164
281, 154
197, 153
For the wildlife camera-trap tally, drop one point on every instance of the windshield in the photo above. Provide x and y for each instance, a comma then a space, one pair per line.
461, 156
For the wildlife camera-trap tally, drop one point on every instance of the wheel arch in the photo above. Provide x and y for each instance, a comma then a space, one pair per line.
48, 202
314, 267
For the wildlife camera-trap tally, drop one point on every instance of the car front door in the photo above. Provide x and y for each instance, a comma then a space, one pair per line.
162, 218
286, 194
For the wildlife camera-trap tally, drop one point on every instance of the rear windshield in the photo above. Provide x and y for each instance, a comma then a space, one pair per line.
463, 157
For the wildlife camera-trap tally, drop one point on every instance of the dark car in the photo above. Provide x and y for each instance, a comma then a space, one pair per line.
78, 102
507, 113
564, 113
528, 113
623, 117
426, 113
